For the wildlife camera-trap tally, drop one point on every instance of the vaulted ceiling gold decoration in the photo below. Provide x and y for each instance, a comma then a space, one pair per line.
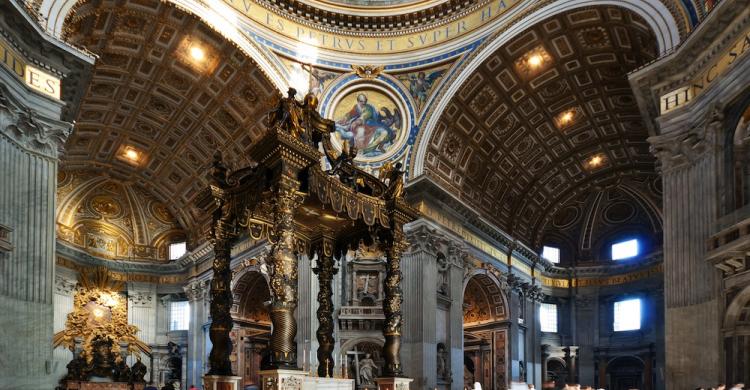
483, 301
166, 93
544, 118
112, 219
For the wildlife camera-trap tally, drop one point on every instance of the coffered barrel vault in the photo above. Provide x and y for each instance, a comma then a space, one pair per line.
150, 95
515, 140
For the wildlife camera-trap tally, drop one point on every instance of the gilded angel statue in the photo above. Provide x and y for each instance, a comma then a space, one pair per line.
393, 176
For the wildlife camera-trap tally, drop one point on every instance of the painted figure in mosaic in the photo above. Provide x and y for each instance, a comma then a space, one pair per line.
421, 83
368, 129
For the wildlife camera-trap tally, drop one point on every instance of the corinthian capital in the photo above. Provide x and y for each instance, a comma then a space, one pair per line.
424, 239
30, 131
689, 144
196, 290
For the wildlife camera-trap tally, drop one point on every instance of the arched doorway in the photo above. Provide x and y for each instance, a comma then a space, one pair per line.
252, 326
485, 332
362, 361
557, 372
625, 373
737, 338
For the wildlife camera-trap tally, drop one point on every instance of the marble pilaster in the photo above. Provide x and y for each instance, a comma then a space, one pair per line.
197, 293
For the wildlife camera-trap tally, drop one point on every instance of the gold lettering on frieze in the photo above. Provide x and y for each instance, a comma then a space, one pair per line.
464, 233
683, 95
35, 78
366, 44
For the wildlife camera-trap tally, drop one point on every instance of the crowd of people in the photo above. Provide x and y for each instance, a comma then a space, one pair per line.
721, 386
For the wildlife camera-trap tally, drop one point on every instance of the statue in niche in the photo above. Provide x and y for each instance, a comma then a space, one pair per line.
367, 371
443, 368
138, 372
442, 267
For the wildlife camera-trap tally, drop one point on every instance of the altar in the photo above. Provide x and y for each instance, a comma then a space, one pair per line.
85, 385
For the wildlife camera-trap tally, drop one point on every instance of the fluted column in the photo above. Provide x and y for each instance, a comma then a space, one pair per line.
196, 293
457, 257
284, 276
420, 312
326, 342
689, 164
29, 144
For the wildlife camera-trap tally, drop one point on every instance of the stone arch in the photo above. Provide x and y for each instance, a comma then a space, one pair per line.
254, 264
485, 329
557, 370
656, 14
614, 359
252, 321
625, 372
737, 153
250, 292
738, 311
372, 345
736, 336
217, 16
492, 287
349, 344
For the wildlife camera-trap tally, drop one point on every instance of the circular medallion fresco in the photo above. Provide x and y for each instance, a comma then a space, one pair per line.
106, 206
372, 119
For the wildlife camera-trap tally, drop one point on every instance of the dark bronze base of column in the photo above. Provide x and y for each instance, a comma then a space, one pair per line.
391, 351
280, 361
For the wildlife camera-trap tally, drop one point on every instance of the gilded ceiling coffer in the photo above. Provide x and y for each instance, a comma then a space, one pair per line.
325, 270
287, 199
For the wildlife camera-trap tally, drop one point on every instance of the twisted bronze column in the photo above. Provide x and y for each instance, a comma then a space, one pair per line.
326, 343
392, 303
284, 277
221, 319
222, 234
